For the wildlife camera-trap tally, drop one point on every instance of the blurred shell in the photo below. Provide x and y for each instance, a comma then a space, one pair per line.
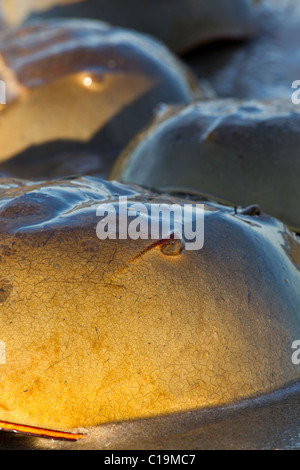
263, 68
100, 331
181, 24
78, 91
238, 152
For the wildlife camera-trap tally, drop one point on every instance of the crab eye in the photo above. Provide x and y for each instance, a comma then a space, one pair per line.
173, 247
251, 210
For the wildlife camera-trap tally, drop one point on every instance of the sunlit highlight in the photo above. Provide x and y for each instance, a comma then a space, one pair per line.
87, 81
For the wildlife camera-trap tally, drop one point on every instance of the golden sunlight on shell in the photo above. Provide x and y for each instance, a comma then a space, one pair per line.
98, 331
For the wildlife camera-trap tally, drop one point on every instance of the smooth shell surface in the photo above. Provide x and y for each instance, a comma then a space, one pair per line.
181, 24
242, 152
77, 91
99, 331
263, 68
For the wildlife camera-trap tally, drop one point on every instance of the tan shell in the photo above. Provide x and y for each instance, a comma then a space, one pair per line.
244, 152
77, 91
102, 331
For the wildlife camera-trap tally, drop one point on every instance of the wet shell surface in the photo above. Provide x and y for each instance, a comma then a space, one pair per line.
99, 331
182, 25
77, 91
263, 68
242, 152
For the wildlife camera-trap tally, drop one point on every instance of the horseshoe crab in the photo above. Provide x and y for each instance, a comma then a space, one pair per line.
242, 152
101, 331
263, 68
77, 91
181, 25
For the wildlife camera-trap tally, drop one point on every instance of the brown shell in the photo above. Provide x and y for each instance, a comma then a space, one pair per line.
99, 331
77, 91
242, 152
181, 24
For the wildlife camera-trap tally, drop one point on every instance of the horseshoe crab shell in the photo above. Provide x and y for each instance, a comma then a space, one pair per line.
244, 152
263, 68
77, 91
182, 24
99, 331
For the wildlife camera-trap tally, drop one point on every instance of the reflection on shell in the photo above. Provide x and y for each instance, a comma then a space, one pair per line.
77, 92
182, 25
263, 68
92, 337
243, 152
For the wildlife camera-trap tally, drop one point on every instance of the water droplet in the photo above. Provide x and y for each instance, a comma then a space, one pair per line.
173, 247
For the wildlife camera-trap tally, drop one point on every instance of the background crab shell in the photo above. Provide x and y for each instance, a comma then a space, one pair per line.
263, 68
94, 334
241, 152
77, 92
181, 25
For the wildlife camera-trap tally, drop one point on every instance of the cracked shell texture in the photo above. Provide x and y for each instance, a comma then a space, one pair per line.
181, 24
244, 152
77, 92
99, 331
